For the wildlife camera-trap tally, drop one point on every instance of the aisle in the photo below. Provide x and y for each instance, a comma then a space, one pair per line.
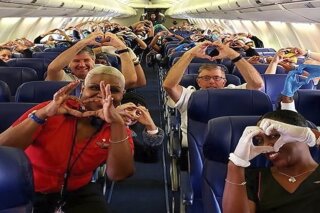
145, 190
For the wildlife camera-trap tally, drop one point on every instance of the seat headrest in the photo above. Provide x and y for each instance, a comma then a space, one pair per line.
16, 179
221, 102
224, 134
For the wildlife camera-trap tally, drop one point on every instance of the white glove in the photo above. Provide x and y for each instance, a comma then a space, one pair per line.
245, 150
288, 133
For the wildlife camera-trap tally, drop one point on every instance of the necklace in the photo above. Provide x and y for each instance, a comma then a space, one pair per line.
293, 179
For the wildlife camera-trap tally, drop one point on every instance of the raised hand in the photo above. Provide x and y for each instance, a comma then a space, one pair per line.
224, 51
313, 71
288, 133
145, 117
107, 113
112, 40
130, 113
245, 150
200, 50
94, 38
63, 103
293, 82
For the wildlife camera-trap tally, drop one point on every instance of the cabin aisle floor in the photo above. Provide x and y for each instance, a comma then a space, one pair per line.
145, 190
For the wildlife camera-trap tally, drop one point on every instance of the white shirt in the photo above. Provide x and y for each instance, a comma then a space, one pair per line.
182, 106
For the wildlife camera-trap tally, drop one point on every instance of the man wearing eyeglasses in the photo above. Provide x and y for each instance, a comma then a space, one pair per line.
209, 76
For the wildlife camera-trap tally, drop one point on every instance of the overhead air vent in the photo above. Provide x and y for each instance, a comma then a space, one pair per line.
33, 1
81, 6
258, 1
219, 8
237, 4
61, 5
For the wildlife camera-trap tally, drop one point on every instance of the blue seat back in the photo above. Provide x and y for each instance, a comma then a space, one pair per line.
194, 67
16, 182
15, 76
40, 65
5, 94
307, 103
38, 91
191, 80
174, 55
196, 60
170, 46
267, 53
17, 55
264, 49
114, 61
211, 103
48, 55
10, 112
55, 49
261, 68
222, 138
274, 83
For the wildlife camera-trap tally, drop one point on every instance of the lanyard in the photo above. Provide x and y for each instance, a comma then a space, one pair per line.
70, 165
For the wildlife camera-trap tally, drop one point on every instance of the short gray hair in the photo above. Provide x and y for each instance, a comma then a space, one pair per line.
106, 70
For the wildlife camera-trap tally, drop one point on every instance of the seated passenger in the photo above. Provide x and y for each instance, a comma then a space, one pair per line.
102, 59
295, 80
209, 76
257, 42
147, 137
5, 54
80, 59
290, 184
67, 138
285, 57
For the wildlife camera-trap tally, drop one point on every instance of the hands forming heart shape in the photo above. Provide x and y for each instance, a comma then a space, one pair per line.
64, 103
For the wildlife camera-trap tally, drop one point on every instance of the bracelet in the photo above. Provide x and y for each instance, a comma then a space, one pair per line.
136, 63
120, 141
122, 51
35, 118
153, 132
236, 184
236, 59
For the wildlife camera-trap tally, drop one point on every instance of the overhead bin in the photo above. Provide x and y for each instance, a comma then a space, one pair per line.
200, 8
238, 4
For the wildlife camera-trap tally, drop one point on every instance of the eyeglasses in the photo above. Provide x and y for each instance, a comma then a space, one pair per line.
207, 78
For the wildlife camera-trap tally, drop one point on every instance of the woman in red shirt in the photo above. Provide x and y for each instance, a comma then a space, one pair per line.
65, 146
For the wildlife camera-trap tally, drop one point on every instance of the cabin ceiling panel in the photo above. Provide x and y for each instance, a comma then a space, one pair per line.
267, 10
11, 12
42, 8
310, 14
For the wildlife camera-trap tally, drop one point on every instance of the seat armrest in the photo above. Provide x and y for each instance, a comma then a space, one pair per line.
186, 191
